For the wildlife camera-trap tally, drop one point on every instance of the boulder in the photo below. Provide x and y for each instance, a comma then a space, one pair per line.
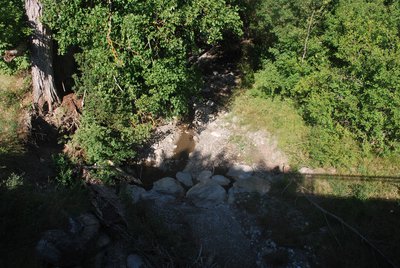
249, 185
90, 226
253, 185
239, 172
306, 170
207, 194
204, 176
221, 180
67, 248
168, 186
135, 193
134, 261
232, 194
157, 197
103, 241
185, 178
58, 248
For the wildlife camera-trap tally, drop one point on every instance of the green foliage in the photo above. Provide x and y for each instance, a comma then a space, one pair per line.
134, 63
13, 32
340, 62
65, 171
12, 182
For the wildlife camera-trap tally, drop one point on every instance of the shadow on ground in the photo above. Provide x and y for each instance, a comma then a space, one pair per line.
296, 214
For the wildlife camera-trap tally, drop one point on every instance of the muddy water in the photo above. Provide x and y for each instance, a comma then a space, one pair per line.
184, 146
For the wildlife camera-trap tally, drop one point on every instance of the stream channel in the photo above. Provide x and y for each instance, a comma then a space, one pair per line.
148, 173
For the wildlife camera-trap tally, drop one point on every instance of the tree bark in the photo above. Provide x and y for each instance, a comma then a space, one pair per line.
44, 90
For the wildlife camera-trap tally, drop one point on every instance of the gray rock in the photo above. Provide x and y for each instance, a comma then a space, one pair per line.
232, 194
168, 186
206, 194
204, 176
185, 178
66, 248
253, 185
239, 172
90, 228
135, 192
157, 197
249, 185
59, 248
103, 241
306, 170
134, 261
115, 255
221, 235
221, 180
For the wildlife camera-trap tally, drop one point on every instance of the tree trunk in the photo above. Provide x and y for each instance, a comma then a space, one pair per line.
44, 90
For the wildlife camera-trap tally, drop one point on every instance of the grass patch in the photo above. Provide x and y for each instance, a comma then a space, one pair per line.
306, 145
12, 92
278, 118
358, 188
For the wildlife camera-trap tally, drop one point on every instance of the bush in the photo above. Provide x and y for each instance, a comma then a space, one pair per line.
339, 61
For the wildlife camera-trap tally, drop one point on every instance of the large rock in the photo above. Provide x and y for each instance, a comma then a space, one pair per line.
59, 248
134, 261
204, 176
185, 178
239, 172
253, 185
157, 197
168, 186
135, 193
306, 171
221, 180
66, 248
249, 185
207, 194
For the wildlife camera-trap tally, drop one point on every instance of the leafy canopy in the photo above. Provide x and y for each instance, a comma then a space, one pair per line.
340, 62
134, 62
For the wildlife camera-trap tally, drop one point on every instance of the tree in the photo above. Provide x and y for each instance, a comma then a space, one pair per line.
44, 90
16, 27
134, 63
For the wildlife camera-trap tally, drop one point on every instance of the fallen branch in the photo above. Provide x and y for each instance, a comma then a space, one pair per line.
117, 169
351, 228
10, 55
310, 23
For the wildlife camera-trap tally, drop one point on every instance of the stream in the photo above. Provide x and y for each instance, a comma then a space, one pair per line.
185, 144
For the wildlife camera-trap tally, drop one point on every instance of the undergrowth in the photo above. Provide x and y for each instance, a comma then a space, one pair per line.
12, 92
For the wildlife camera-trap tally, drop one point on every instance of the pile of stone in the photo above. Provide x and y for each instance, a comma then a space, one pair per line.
204, 190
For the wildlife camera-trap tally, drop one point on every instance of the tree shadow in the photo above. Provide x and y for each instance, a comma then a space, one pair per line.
35, 162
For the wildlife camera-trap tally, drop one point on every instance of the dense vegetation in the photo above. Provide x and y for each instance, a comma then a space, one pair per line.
134, 63
337, 61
